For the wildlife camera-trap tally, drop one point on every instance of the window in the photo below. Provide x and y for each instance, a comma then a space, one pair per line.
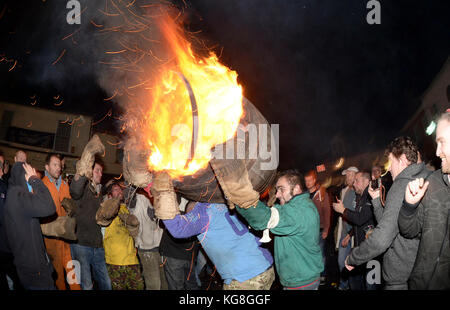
62, 139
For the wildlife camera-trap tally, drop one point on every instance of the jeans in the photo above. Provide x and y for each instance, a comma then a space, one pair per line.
342, 255
180, 274
91, 257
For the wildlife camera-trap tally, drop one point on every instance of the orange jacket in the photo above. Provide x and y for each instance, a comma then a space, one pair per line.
58, 249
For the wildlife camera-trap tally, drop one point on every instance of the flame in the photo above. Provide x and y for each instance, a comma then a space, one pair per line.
168, 117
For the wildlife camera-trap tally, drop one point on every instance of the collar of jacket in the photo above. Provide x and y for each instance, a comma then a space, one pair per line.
320, 192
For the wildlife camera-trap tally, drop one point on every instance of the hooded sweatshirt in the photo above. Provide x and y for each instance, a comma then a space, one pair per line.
22, 212
399, 252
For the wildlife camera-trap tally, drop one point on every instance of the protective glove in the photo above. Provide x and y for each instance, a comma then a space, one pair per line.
107, 211
164, 197
69, 206
131, 223
235, 183
63, 227
84, 165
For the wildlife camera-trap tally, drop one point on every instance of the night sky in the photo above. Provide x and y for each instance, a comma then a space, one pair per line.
317, 68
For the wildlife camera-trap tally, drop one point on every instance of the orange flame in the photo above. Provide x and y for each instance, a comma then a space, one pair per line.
168, 115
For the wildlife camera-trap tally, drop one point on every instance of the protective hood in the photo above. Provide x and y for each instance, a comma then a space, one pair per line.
18, 176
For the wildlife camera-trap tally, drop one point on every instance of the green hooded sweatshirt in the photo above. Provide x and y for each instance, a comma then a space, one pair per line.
298, 257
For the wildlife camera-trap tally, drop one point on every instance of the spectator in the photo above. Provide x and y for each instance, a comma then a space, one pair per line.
147, 242
343, 244
27, 200
400, 253
179, 257
425, 214
8, 274
120, 253
85, 189
322, 201
57, 248
361, 217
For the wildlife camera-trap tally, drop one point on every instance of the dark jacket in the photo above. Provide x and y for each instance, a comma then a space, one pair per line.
184, 249
22, 212
4, 247
88, 201
399, 252
430, 221
361, 218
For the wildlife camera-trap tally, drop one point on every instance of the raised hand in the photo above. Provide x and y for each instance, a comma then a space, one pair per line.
415, 190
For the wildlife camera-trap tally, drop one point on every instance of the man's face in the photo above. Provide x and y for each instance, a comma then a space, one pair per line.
443, 145
349, 178
97, 173
285, 191
310, 181
360, 183
116, 192
396, 165
54, 167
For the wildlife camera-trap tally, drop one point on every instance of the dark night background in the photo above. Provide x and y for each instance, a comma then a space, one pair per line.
314, 67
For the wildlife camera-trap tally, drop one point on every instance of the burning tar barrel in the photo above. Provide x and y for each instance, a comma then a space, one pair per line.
255, 142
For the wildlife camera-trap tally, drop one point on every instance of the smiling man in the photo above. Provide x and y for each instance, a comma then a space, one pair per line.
426, 214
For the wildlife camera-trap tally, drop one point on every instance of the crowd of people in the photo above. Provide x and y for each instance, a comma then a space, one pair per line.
381, 231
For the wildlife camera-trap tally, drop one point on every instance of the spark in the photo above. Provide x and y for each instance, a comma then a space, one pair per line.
101, 120
56, 97
30, 124
115, 93
15, 63
68, 36
58, 104
96, 25
118, 177
34, 102
116, 52
67, 119
60, 56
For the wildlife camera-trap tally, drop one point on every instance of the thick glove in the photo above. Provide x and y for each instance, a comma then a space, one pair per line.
84, 165
131, 223
235, 183
69, 206
107, 211
63, 227
164, 197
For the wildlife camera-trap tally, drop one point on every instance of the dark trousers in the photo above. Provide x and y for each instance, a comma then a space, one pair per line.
180, 274
7, 268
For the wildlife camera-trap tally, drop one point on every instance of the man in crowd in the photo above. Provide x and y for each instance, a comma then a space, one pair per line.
85, 189
120, 253
239, 258
362, 221
8, 274
57, 248
322, 201
147, 241
400, 253
179, 257
343, 243
27, 200
425, 214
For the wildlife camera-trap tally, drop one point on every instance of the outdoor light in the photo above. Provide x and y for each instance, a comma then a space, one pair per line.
431, 128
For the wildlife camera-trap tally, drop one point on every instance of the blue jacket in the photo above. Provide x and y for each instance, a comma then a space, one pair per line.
234, 250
